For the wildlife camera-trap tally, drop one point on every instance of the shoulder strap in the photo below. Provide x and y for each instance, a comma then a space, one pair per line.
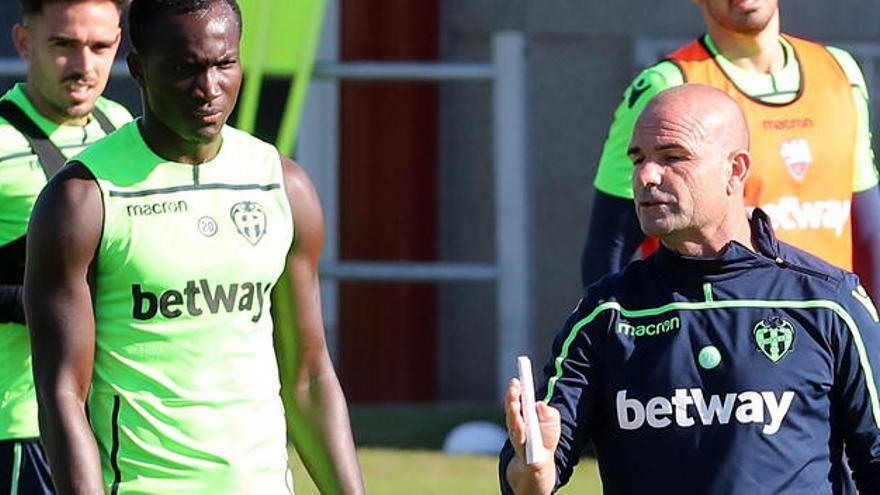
50, 157
103, 121
695, 51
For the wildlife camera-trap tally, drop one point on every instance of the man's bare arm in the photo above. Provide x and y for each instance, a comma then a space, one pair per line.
322, 432
63, 236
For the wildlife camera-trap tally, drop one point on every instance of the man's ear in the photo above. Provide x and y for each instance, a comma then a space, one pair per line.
740, 164
135, 67
21, 39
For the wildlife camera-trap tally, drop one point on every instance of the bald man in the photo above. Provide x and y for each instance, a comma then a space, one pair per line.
807, 108
727, 361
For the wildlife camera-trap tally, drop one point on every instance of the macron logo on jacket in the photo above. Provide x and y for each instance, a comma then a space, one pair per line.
744, 407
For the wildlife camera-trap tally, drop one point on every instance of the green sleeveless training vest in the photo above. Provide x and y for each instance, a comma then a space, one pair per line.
21, 180
185, 395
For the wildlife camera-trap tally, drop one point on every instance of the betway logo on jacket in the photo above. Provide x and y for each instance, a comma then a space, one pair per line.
198, 296
686, 407
789, 213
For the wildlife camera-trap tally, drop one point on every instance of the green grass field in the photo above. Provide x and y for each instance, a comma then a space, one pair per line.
409, 472
400, 452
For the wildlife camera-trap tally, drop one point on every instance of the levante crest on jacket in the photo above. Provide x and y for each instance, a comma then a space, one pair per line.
774, 336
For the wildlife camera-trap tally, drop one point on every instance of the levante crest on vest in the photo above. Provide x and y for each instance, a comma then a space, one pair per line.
774, 336
797, 156
250, 220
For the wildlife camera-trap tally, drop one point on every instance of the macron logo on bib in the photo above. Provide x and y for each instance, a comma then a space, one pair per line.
687, 406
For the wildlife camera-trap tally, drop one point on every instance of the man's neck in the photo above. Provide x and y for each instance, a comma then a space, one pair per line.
761, 52
711, 242
169, 146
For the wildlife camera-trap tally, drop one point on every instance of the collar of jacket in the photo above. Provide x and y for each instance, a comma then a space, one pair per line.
733, 259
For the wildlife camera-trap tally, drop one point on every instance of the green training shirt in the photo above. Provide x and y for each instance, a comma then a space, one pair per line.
614, 175
185, 395
21, 180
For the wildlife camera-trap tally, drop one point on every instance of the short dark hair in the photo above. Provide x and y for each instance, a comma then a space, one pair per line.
35, 7
144, 12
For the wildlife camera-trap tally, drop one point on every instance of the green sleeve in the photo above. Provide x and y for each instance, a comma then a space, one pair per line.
865, 176
614, 175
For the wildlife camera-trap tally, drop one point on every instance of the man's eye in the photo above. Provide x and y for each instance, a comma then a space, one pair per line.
101, 48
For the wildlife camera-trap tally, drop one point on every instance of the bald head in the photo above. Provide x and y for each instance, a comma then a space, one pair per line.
690, 152
711, 112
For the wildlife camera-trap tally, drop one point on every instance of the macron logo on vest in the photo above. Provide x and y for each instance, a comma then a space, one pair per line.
745, 407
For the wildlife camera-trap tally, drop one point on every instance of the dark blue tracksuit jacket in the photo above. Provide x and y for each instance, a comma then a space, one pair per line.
742, 374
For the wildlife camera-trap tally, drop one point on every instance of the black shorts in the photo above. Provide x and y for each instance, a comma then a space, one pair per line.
24, 469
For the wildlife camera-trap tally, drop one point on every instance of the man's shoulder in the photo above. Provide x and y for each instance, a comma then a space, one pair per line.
842, 57
115, 111
850, 67
626, 286
241, 137
248, 144
108, 146
814, 272
697, 50
652, 80
8, 130
827, 286
13, 144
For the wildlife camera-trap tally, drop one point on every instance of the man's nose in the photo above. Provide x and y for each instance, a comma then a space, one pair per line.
647, 173
207, 84
83, 60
